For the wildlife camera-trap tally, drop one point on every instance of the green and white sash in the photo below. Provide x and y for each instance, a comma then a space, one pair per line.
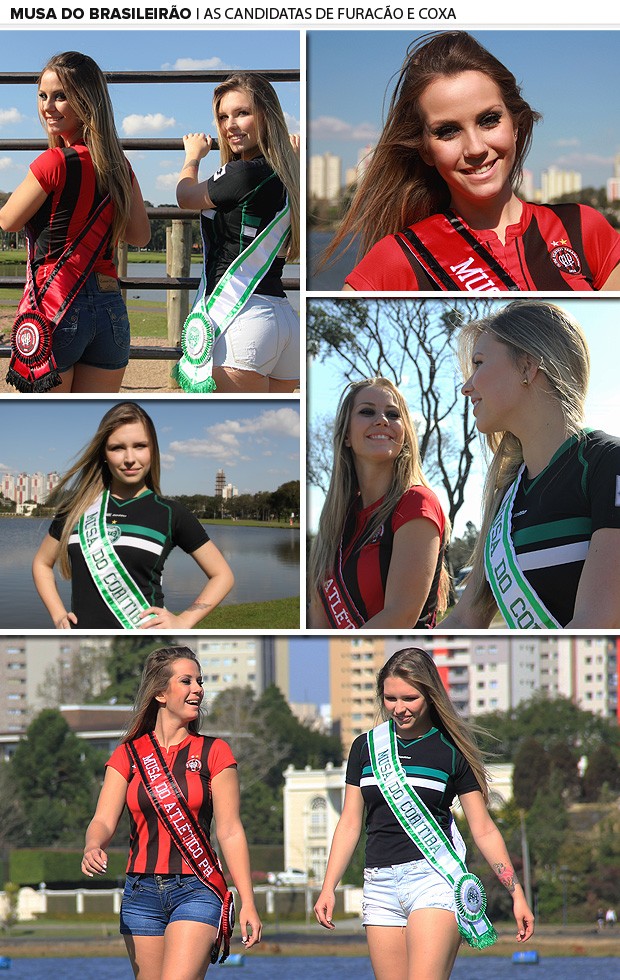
210, 317
114, 583
421, 826
517, 601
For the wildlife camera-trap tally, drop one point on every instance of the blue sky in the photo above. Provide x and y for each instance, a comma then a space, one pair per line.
569, 76
309, 669
255, 443
599, 318
151, 111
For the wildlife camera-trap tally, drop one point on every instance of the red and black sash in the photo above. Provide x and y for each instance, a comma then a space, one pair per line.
339, 607
470, 266
32, 366
177, 819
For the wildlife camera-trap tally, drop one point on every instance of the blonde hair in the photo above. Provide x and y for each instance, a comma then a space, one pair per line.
155, 677
89, 475
557, 344
87, 93
273, 140
417, 668
343, 486
410, 189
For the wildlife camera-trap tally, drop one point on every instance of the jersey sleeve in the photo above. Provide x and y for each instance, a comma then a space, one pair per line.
119, 760
601, 245
220, 757
464, 778
234, 181
56, 527
419, 502
49, 169
604, 484
354, 763
383, 268
188, 533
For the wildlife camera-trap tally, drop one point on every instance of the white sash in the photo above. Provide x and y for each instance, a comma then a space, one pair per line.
421, 826
517, 601
210, 318
114, 583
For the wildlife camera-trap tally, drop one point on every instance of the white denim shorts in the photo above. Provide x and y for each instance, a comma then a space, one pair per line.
391, 894
263, 337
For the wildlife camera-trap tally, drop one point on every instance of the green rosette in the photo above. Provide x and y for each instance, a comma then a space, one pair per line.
193, 372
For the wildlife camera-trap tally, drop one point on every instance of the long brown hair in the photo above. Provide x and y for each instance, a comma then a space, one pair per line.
155, 677
398, 188
87, 93
417, 668
89, 475
273, 139
343, 485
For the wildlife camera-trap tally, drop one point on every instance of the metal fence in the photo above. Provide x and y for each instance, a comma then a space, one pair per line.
169, 283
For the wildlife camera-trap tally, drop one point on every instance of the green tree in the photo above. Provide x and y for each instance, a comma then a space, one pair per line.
125, 663
602, 770
531, 772
53, 772
547, 822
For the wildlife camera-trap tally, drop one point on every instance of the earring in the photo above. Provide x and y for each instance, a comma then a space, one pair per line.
525, 381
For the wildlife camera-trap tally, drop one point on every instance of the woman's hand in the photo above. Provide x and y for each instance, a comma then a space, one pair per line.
524, 917
94, 862
64, 621
250, 925
158, 617
197, 145
295, 142
324, 908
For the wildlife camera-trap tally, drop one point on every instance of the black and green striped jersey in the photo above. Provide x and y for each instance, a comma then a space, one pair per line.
555, 515
436, 770
143, 532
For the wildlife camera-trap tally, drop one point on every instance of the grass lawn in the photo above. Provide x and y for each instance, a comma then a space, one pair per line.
276, 614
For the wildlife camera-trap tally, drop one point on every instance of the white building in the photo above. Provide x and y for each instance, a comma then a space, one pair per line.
556, 182
325, 177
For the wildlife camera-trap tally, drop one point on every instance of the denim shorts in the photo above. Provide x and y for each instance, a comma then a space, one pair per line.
391, 894
263, 337
150, 902
95, 328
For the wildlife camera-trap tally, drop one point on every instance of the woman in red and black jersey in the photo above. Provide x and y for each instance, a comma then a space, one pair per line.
377, 559
64, 189
170, 918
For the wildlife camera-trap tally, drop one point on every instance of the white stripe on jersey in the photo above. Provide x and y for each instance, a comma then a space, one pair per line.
127, 541
550, 557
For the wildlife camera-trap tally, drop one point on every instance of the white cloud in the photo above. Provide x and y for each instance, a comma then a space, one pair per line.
154, 122
9, 117
5, 163
195, 64
166, 181
329, 126
167, 461
292, 124
225, 438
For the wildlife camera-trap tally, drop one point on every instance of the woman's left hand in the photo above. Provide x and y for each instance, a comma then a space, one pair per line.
295, 142
524, 918
159, 618
250, 925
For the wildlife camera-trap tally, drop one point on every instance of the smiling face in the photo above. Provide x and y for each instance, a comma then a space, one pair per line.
407, 706
238, 123
59, 118
376, 431
128, 456
495, 386
469, 137
183, 695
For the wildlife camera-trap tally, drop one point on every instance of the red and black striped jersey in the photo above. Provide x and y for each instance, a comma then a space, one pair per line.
193, 763
67, 176
552, 247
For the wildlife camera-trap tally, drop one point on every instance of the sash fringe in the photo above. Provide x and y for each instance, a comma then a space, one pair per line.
187, 384
45, 383
478, 942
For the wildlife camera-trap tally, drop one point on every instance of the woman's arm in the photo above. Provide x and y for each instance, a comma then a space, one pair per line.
410, 576
597, 604
613, 281
22, 204
138, 228
491, 844
45, 582
190, 193
104, 823
232, 840
346, 836
467, 614
221, 580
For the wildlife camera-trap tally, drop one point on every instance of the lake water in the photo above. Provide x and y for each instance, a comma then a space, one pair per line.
265, 562
331, 276
325, 968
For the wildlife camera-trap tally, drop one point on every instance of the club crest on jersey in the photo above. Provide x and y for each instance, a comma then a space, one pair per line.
193, 764
565, 258
113, 531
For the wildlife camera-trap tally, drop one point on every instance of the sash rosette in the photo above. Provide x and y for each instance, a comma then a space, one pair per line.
32, 367
421, 826
209, 318
177, 820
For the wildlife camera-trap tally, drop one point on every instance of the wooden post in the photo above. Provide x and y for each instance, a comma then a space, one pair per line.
178, 259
